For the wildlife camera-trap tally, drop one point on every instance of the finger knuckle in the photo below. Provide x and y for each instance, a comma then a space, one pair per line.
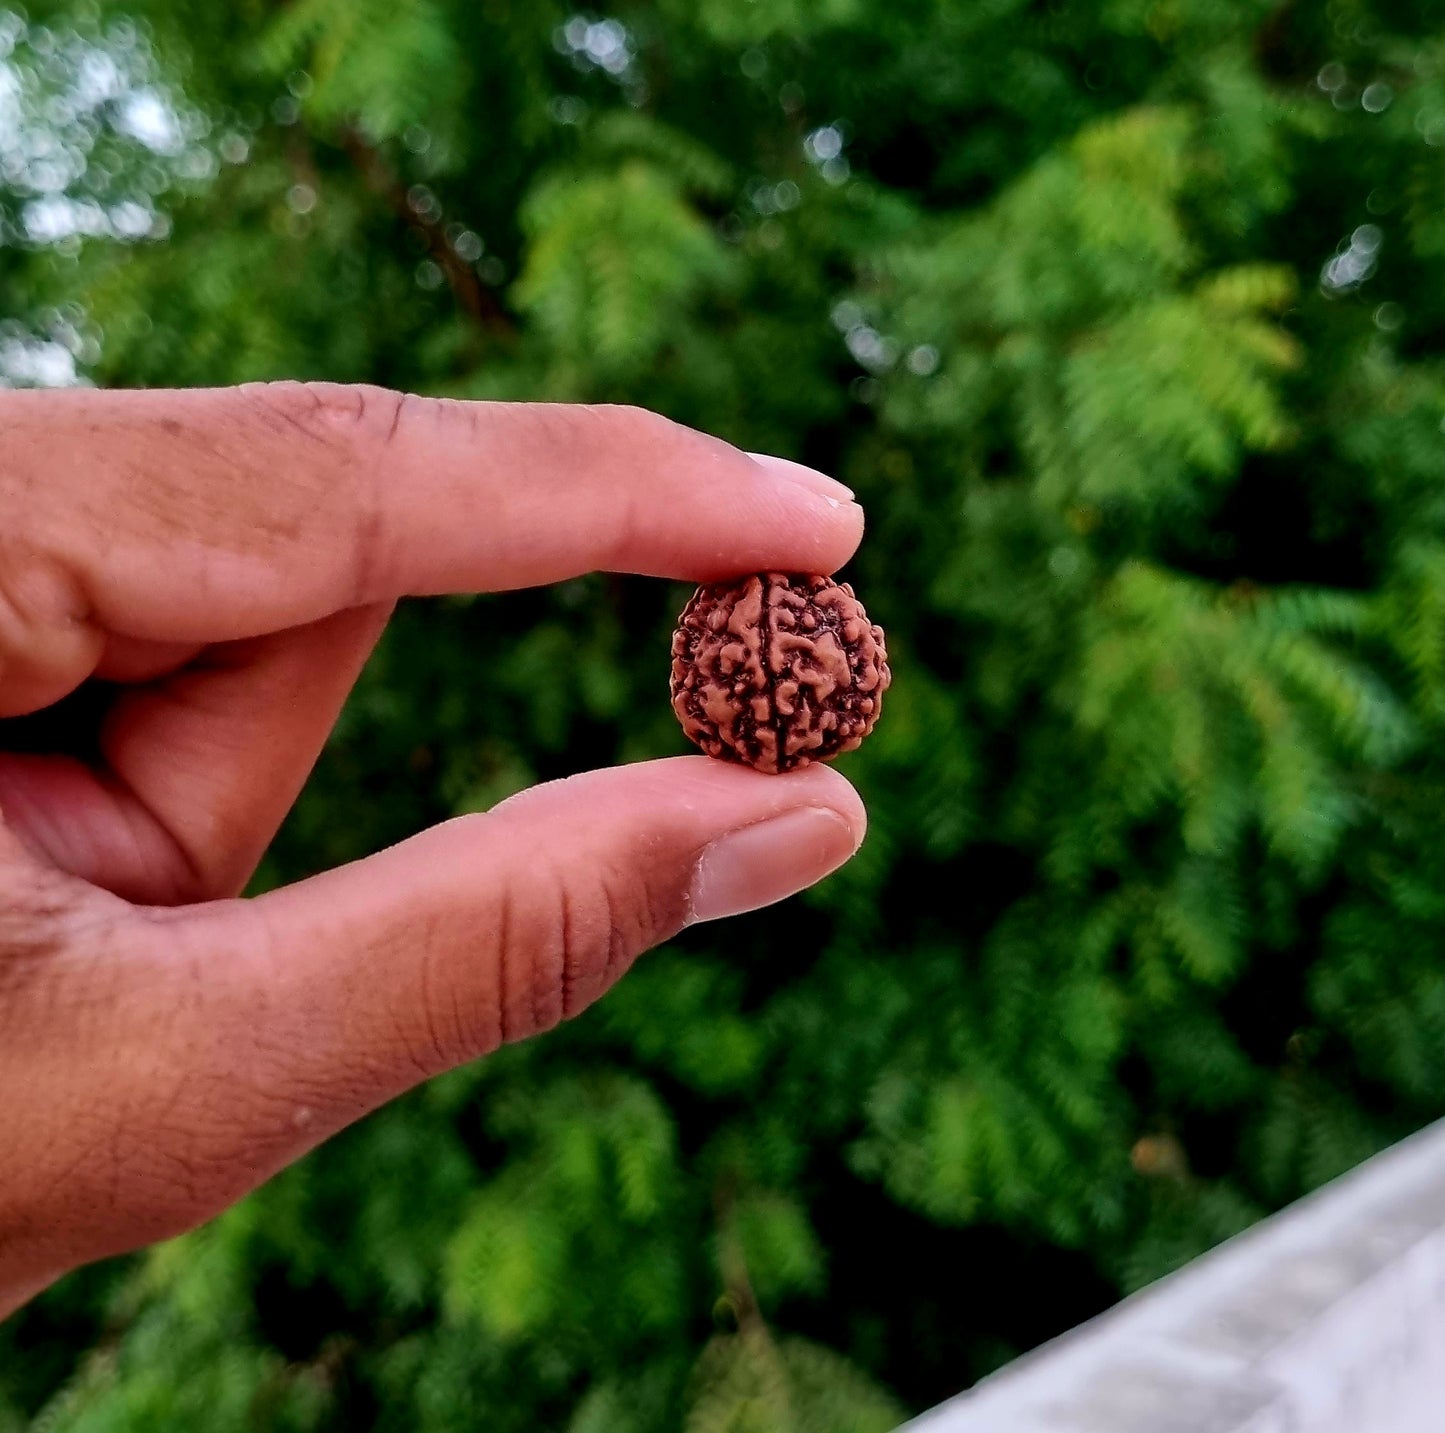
356, 422
546, 935
47, 621
590, 928
344, 413
635, 424
452, 1029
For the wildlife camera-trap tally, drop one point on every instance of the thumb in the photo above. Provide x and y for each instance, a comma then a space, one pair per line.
341, 992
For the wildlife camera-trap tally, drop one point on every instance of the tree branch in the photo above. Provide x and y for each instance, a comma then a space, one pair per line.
476, 299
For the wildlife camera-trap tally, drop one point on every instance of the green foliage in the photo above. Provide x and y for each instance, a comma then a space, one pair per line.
1127, 324
364, 68
618, 261
573, 1231
747, 1384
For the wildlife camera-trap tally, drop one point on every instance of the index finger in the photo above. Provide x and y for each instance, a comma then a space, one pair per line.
214, 514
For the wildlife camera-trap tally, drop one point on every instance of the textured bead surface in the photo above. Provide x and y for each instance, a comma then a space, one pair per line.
777, 670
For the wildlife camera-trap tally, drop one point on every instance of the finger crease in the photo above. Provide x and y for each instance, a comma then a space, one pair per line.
569, 954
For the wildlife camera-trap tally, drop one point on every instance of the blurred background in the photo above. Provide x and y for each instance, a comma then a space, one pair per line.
1126, 321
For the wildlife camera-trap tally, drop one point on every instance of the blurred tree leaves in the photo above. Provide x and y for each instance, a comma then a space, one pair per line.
1126, 323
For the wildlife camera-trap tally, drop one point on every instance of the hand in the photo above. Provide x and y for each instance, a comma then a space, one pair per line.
231, 557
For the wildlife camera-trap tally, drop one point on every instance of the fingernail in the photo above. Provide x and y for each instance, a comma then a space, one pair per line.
760, 864
806, 477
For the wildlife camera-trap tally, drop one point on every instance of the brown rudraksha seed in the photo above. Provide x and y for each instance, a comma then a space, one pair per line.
777, 670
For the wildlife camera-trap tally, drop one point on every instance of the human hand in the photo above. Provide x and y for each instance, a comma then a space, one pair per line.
231, 557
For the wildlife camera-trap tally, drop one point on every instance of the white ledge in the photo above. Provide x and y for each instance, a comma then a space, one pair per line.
1328, 1317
